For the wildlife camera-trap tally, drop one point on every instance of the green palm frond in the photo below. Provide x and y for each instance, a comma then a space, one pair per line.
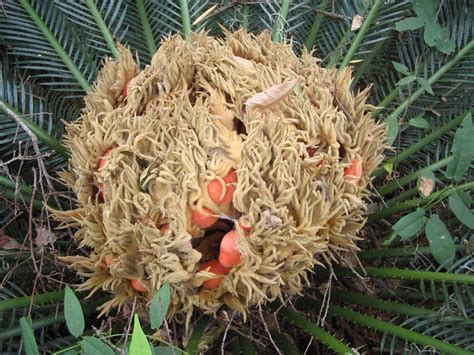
40, 39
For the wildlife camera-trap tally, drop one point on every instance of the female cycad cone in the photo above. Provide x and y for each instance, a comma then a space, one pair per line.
231, 153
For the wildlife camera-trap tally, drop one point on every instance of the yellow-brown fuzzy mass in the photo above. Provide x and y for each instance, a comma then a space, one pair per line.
183, 123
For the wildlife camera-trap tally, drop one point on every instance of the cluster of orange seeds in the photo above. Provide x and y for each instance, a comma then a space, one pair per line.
228, 167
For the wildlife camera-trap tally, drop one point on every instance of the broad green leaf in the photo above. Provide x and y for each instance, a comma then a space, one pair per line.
94, 346
462, 149
409, 225
445, 44
419, 122
159, 306
465, 197
28, 337
388, 166
438, 36
399, 67
406, 80
460, 210
409, 24
393, 128
164, 350
425, 85
441, 243
298, 90
139, 344
433, 34
73, 313
426, 9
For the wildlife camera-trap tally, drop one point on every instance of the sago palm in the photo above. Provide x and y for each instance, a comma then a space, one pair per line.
408, 290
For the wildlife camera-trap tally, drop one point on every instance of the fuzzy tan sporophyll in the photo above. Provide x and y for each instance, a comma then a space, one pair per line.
228, 167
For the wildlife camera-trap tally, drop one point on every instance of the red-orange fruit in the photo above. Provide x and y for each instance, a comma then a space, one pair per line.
229, 254
100, 168
164, 228
126, 88
216, 190
204, 218
139, 286
354, 171
108, 261
215, 267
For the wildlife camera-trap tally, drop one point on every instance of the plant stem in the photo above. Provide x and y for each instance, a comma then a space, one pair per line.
13, 196
40, 299
103, 28
318, 20
418, 202
425, 141
396, 330
362, 31
317, 332
280, 22
244, 22
42, 135
434, 78
399, 252
410, 275
394, 185
402, 197
55, 44
25, 189
185, 18
382, 305
150, 41
346, 296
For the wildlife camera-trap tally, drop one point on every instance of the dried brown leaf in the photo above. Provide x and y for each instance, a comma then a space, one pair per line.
44, 236
426, 186
7, 242
356, 22
271, 95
